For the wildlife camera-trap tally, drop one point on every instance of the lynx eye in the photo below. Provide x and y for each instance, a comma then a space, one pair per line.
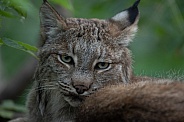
102, 65
66, 59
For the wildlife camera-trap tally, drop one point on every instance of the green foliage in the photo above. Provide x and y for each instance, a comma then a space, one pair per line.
65, 3
20, 46
6, 14
8, 108
7, 7
1, 42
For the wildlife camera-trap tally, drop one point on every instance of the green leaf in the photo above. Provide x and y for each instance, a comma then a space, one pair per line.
6, 114
65, 3
28, 47
10, 105
6, 14
16, 5
19, 9
20, 46
8, 108
1, 42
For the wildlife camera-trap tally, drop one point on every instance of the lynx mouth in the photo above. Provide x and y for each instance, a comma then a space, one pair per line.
74, 100
75, 97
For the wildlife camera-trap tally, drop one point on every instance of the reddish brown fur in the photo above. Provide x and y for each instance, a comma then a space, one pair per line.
142, 101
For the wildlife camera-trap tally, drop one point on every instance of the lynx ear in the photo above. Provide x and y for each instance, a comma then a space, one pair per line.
51, 22
126, 22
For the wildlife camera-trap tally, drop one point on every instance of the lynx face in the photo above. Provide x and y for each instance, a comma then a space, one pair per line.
78, 57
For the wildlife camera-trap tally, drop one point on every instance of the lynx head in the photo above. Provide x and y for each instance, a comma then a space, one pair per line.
79, 56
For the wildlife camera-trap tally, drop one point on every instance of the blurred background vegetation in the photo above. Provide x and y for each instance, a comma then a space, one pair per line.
158, 48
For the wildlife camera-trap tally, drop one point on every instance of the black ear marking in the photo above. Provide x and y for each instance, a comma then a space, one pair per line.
133, 12
44, 1
136, 3
126, 22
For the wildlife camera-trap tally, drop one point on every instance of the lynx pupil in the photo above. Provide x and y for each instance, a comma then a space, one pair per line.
66, 59
102, 65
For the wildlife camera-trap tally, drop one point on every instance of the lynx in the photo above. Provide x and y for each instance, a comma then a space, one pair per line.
78, 57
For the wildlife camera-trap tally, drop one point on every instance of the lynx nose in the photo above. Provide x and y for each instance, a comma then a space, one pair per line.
80, 89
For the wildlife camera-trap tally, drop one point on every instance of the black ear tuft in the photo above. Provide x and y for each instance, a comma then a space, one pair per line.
133, 12
136, 3
126, 21
129, 16
44, 1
